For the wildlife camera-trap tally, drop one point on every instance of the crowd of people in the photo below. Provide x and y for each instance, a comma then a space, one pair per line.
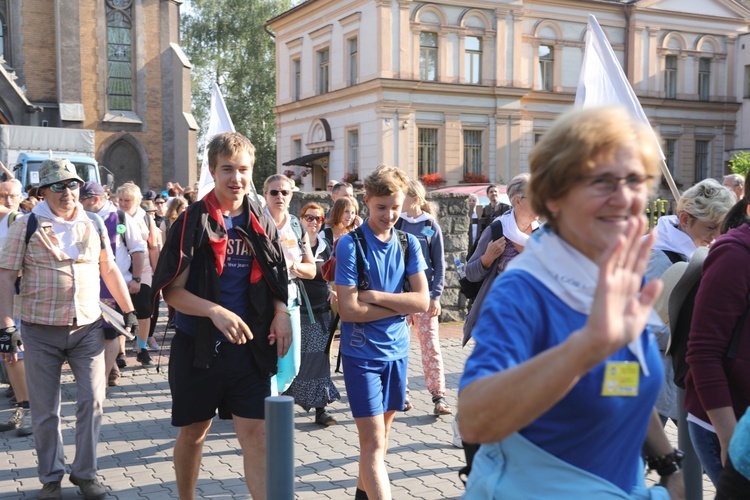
566, 391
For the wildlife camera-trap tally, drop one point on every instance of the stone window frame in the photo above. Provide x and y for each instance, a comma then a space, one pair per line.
441, 31
483, 149
348, 38
348, 152
486, 35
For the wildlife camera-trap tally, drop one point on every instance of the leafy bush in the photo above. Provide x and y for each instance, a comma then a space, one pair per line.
740, 163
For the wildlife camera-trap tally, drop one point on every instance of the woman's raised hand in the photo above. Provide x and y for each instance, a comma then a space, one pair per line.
621, 307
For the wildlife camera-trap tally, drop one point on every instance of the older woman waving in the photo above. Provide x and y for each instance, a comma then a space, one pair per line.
560, 388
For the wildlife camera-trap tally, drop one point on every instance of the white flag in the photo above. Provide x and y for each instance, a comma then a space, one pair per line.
603, 82
218, 122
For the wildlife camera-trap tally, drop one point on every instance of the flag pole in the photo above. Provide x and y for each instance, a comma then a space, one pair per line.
603, 82
670, 181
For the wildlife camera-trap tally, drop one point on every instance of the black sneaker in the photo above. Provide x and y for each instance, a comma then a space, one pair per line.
143, 357
121, 362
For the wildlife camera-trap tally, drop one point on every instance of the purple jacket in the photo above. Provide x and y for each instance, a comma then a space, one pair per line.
714, 381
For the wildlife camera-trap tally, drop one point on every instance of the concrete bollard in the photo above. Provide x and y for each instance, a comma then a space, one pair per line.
280, 447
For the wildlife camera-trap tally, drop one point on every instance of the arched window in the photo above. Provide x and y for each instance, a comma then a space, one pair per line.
120, 54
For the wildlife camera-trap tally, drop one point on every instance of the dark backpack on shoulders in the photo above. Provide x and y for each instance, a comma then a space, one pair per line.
363, 278
469, 288
681, 316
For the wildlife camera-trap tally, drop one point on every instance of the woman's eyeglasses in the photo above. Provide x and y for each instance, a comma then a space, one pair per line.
276, 192
607, 184
59, 187
314, 218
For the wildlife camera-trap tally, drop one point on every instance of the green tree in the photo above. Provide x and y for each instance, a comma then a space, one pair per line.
227, 43
740, 163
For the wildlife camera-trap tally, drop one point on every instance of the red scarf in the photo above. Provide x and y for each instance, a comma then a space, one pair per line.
219, 244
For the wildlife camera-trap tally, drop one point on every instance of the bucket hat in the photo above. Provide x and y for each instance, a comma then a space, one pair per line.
57, 170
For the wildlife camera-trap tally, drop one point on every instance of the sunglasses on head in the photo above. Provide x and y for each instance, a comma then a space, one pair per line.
59, 187
276, 192
314, 218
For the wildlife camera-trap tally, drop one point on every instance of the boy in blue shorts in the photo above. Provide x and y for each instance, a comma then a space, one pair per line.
374, 332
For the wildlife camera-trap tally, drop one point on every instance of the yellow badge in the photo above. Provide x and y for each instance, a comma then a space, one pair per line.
621, 378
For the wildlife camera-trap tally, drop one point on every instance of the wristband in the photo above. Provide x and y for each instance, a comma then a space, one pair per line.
137, 280
668, 464
282, 311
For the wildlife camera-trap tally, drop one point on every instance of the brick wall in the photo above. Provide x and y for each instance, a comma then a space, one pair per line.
453, 217
40, 61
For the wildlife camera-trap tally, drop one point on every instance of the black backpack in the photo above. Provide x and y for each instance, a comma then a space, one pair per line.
681, 316
469, 288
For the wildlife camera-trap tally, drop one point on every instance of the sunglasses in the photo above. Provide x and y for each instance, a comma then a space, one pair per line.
276, 192
59, 187
314, 218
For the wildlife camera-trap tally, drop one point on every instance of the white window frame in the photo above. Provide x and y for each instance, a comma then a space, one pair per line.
352, 151
476, 152
546, 68
352, 60
431, 164
704, 78
670, 77
426, 53
702, 159
323, 70
472, 61
296, 78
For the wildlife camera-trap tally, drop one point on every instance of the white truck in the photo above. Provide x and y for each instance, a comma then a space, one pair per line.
24, 148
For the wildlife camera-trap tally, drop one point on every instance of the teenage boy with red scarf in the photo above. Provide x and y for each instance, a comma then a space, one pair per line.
222, 269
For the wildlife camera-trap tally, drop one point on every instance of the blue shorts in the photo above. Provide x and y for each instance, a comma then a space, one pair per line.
374, 387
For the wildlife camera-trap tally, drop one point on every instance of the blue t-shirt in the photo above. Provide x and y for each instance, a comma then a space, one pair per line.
519, 319
234, 280
386, 339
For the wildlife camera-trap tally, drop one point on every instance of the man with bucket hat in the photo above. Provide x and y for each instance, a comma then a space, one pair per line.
61, 250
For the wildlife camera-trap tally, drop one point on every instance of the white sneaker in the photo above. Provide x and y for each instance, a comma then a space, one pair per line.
457, 442
25, 428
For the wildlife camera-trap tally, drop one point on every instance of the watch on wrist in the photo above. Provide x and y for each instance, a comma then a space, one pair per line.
137, 280
668, 464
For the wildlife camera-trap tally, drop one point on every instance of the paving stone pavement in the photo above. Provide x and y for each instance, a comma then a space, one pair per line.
136, 444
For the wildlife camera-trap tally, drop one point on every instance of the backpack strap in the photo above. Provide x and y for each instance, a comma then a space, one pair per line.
403, 240
31, 226
674, 257
12, 217
429, 223
497, 229
99, 225
121, 223
360, 250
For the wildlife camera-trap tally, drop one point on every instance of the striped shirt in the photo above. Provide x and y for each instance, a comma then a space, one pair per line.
55, 289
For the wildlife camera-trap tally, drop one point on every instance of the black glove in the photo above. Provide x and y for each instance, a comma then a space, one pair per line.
131, 322
10, 340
